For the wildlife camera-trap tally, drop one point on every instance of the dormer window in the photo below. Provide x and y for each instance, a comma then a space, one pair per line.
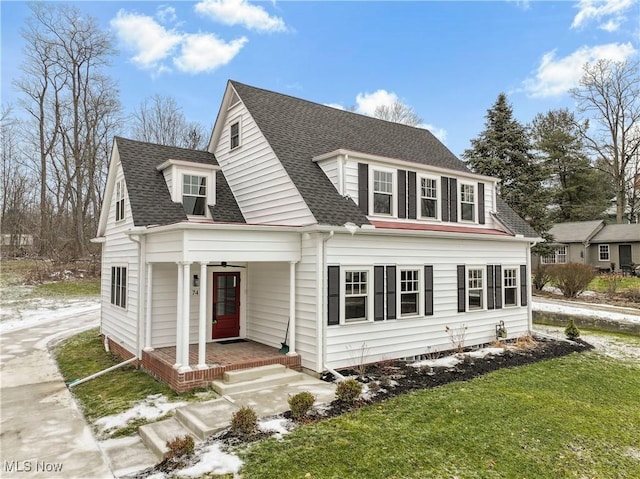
194, 194
429, 198
382, 192
234, 135
467, 202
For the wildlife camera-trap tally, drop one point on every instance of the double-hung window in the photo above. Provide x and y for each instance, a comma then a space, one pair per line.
559, 256
120, 200
475, 288
356, 295
510, 286
234, 135
382, 192
467, 202
409, 292
194, 194
603, 251
428, 198
119, 286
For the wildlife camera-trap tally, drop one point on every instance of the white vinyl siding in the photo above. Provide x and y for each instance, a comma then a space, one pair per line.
421, 334
267, 302
259, 182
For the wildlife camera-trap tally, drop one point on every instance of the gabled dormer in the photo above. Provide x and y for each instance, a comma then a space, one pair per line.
191, 184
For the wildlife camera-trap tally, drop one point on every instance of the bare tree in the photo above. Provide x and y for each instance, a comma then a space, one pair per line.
398, 112
609, 93
75, 106
160, 120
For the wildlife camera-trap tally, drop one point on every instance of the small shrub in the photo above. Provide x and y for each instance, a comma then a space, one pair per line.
541, 277
374, 387
633, 294
348, 390
525, 342
301, 403
179, 447
456, 336
571, 278
611, 283
571, 331
244, 421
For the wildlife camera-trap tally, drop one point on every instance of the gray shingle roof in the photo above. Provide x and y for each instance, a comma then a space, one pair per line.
574, 232
618, 234
299, 130
149, 196
513, 221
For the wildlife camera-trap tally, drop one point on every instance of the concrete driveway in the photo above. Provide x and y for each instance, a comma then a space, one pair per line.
42, 432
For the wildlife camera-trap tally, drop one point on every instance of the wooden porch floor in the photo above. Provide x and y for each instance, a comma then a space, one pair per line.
219, 357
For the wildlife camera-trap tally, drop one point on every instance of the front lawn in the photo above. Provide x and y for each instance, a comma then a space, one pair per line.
571, 417
600, 284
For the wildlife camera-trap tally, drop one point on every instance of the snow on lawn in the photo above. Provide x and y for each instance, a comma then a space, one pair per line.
152, 407
212, 460
554, 307
451, 361
42, 311
279, 426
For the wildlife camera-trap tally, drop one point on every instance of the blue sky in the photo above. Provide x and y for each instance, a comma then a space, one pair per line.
447, 60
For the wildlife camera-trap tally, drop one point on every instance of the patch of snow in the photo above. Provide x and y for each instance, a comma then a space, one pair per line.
584, 311
152, 407
212, 460
279, 426
481, 353
44, 311
455, 359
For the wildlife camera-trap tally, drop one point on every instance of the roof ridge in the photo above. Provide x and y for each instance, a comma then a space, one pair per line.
141, 142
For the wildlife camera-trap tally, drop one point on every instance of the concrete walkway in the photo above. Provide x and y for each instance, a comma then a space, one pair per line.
43, 434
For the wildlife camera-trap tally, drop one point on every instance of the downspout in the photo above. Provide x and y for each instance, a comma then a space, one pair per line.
75, 382
529, 292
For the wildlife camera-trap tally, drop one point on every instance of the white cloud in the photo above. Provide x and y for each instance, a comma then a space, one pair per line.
166, 14
555, 76
141, 34
205, 52
368, 102
154, 46
335, 105
439, 133
612, 25
599, 9
240, 12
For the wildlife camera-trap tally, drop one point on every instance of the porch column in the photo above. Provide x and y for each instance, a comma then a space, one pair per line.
180, 293
186, 296
292, 309
202, 318
147, 319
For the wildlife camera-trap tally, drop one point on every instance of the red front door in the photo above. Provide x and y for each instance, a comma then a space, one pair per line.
226, 305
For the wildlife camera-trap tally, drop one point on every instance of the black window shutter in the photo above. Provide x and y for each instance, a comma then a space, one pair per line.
113, 285
411, 188
402, 194
498, 284
333, 293
378, 293
444, 195
391, 292
453, 200
461, 289
490, 287
363, 187
524, 285
481, 218
428, 290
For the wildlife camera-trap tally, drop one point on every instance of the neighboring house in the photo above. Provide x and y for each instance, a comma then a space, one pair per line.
605, 247
358, 239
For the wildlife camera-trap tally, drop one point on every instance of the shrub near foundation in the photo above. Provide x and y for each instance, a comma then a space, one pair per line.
348, 391
244, 421
571, 278
301, 403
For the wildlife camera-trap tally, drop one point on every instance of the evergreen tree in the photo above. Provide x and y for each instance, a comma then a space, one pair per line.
578, 192
503, 150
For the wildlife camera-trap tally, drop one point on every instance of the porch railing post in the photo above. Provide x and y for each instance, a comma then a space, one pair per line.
147, 322
202, 318
292, 308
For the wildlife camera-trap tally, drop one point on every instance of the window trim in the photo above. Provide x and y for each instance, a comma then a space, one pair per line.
436, 198
483, 289
369, 302
205, 196
419, 291
119, 291
515, 287
232, 123
120, 200
394, 191
556, 256
474, 203
600, 251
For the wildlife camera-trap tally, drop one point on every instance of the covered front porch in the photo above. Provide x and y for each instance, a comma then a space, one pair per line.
220, 357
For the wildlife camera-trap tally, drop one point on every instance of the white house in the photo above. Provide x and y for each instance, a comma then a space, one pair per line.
357, 238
